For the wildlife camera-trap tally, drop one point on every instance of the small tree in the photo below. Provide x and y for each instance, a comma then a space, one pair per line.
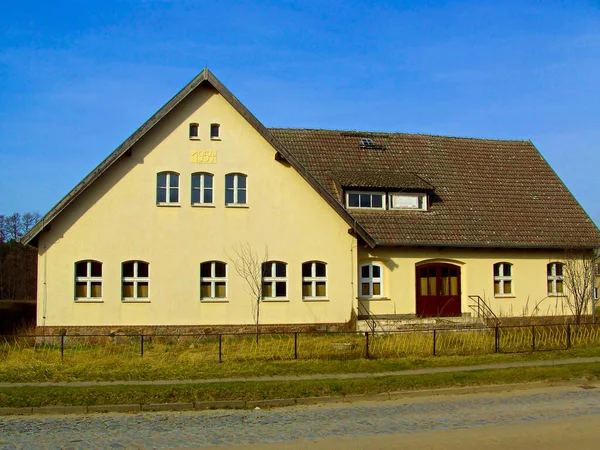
579, 273
250, 267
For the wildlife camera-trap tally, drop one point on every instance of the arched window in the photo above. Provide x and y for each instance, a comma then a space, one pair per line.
556, 278
213, 280
135, 280
503, 282
314, 280
274, 280
88, 280
194, 131
371, 280
202, 188
167, 188
235, 189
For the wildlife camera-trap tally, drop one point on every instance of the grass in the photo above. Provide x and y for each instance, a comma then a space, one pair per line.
106, 395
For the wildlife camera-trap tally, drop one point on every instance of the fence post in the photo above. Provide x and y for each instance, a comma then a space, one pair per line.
496, 340
141, 345
568, 335
533, 337
367, 345
295, 345
220, 349
62, 347
434, 340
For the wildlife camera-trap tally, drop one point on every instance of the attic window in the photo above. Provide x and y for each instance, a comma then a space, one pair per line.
366, 200
194, 133
365, 142
405, 200
215, 131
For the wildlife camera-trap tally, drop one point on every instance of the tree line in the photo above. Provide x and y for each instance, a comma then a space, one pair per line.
18, 262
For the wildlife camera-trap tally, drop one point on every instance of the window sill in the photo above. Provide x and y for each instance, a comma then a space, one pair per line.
214, 300
194, 138
89, 300
236, 205
203, 205
505, 296
276, 300
135, 300
556, 294
215, 138
315, 299
385, 299
171, 205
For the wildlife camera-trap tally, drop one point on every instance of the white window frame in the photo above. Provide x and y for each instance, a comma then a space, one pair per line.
202, 188
236, 189
501, 278
423, 197
273, 280
553, 278
370, 280
313, 279
216, 137
135, 279
168, 188
88, 279
370, 193
197, 127
213, 280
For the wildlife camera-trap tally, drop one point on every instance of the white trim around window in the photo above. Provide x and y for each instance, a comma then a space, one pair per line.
213, 281
274, 281
408, 201
236, 189
88, 281
365, 200
314, 280
215, 131
371, 280
167, 189
202, 189
135, 281
194, 131
555, 279
503, 280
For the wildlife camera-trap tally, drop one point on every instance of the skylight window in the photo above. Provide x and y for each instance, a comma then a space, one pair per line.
365, 142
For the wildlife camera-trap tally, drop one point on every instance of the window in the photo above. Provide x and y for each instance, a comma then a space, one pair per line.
202, 189
503, 279
235, 189
136, 279
215, 129
408, 201
371, 280
555, 278
213, 280
167, 188
194, 131
374, 200
274, 280
314, 280
88, 280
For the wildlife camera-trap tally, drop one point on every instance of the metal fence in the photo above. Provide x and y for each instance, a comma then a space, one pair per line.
201, 348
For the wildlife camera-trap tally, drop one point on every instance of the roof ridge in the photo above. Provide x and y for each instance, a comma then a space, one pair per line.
335, 130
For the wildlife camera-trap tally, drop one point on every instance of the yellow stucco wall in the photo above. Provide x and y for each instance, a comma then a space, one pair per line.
529, 279
116, 219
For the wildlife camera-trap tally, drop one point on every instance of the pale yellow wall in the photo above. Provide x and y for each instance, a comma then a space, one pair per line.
116, 219
529, 279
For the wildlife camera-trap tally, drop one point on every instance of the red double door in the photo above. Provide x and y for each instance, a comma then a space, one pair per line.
438, 290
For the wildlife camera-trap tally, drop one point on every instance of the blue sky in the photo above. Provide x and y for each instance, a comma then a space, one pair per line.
78, 77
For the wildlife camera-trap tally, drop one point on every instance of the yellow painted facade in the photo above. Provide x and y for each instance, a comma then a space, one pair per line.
529, 279
116, 219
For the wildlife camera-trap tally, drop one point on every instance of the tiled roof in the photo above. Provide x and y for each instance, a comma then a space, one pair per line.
491, 193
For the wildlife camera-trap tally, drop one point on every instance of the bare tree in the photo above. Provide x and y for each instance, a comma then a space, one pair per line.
579, 273
250, 266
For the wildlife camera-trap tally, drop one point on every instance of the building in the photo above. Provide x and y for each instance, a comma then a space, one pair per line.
384, 224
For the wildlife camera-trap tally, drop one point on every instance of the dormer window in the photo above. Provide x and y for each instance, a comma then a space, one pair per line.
215, 131
366, 200
365, 142
406, 200
194, 131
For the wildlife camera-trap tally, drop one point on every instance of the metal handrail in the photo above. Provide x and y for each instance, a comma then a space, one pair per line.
483, 310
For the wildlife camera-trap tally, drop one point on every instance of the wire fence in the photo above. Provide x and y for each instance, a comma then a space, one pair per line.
200, 348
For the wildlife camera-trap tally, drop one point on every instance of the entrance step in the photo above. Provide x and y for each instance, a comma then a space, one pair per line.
388, 323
